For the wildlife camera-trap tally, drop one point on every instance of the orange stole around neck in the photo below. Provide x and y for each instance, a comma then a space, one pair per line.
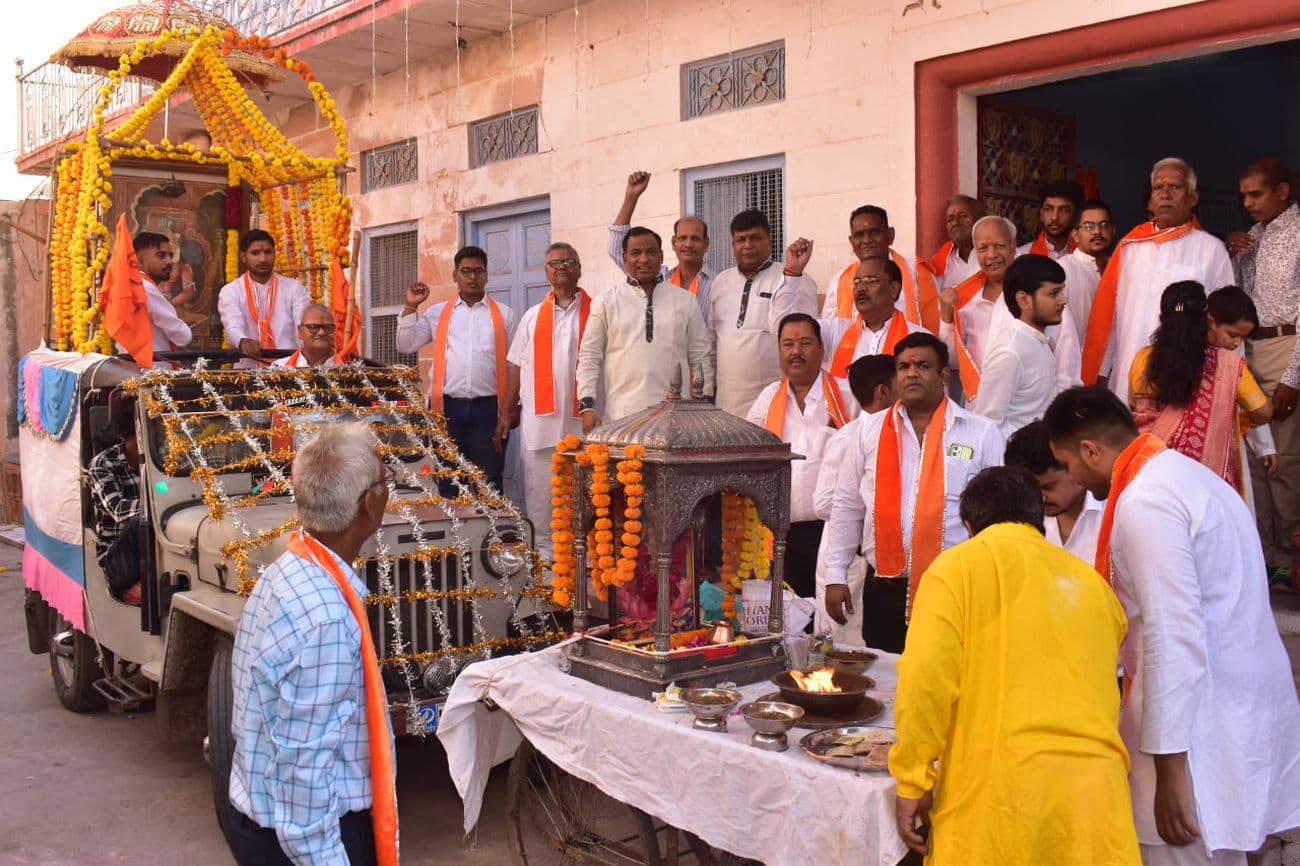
439, 378
848, 344
544, 352
837, 415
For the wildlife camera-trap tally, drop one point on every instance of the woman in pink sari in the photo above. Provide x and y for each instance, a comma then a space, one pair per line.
1188, 392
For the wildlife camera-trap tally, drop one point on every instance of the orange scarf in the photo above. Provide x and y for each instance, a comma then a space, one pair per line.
676, 279
1102, 318
264, 334
440, 353
920, 295
967, 371
292, 360
836, 414
848, 345
939, 261
383, 775
927, 516
543, 353
1041, 247
1127, 465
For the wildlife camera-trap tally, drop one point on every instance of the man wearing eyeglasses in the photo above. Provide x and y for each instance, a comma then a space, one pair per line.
543, 382
315, 338
1093, 234
467, 377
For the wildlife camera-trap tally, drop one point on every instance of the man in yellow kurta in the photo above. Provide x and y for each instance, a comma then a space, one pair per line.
1007, 711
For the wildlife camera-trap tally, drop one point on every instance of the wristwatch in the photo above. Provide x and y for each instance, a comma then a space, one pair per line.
586, 404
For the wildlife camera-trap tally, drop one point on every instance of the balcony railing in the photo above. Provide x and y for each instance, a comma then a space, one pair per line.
267, 17
54, 101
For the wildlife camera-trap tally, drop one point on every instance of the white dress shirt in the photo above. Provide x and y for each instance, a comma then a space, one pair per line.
1018, 379
956, 269
1147, 269
291, 298
539, 432
1063, 339
169, 329
471, 345
1210, 674
1083, 536
970, 444
748, 357
637, 372
807, 431
1081, 280
869, 342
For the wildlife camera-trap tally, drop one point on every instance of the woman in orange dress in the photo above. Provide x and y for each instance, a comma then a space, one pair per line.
1189, 392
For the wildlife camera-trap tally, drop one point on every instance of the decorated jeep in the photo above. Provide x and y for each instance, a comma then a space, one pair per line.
451, 573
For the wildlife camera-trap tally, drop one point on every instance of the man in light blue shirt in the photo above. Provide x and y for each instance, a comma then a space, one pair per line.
300, 782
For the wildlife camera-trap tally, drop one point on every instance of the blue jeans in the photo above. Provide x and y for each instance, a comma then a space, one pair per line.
472, 423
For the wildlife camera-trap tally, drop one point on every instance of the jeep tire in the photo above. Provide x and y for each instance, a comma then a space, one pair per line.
74, 665
220, 742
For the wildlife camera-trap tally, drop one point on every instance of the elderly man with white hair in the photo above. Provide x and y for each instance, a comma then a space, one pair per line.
1169, 248
973, 315
312, 780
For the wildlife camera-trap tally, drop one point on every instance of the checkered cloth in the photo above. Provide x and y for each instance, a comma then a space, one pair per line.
114, 494
302, 759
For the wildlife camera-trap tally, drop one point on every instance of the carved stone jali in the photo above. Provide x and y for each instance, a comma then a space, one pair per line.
693, 452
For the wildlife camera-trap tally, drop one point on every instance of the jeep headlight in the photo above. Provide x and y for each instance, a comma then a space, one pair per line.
505, 553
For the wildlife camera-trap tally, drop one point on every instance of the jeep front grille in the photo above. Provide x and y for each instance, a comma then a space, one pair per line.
419, 618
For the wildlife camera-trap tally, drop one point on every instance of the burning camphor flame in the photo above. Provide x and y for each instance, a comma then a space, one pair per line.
820, 680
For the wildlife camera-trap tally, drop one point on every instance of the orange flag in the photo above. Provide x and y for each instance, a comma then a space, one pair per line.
122, 299
347, 335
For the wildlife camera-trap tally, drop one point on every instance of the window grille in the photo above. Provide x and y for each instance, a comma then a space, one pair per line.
719, 198
754, 76
392, 263
390, 165
503, 137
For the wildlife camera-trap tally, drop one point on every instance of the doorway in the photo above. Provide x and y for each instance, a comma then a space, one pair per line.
1217, 111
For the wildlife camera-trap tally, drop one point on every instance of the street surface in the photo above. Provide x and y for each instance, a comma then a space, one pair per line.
101, 789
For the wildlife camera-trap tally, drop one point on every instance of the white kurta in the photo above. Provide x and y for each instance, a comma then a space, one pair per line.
748, 358
807, 431
471, 345
291, 298
1018, 379
1081, 279
637, 372
976, 317
1052, 252
1147, 270
1210, 675
1083, 536
970, 443
539, 432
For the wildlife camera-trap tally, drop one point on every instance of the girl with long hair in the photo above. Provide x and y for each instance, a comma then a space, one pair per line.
1187, 390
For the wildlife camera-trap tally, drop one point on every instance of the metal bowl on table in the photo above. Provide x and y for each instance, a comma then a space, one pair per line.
770, 720
850, 661
853, 687
710, 706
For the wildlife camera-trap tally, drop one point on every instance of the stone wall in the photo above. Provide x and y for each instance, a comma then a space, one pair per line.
22, 299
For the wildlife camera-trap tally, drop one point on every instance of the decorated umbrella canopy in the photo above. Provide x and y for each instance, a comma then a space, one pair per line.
101, 45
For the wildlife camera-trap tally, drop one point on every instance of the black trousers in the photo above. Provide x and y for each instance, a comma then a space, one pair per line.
801, 545
472, 423
884, 611
255, 845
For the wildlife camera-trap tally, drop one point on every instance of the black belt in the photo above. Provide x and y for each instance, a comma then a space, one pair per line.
1273, 332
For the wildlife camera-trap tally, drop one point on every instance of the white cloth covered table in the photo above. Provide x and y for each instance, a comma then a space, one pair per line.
778, 807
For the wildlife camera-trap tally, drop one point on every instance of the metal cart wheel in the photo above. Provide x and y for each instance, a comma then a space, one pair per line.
555, 818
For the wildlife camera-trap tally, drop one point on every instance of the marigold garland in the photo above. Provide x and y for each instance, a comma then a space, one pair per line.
311, 224
565, 567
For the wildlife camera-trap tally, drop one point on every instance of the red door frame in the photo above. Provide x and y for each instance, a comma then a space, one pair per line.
1219, 25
